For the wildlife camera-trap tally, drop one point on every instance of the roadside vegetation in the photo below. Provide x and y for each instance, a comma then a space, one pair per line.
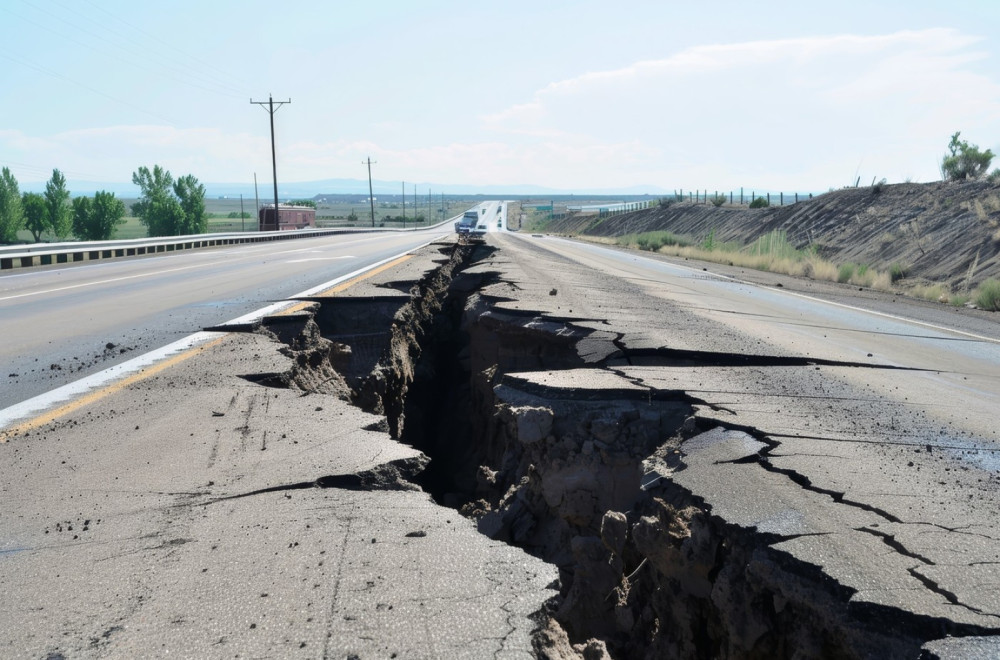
774, 253
988, 295
965, 161
166, 208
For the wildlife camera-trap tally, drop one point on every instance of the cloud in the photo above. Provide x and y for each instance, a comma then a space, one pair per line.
791, 114
795, 112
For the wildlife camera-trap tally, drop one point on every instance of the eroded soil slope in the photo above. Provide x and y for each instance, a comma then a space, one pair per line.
938, 231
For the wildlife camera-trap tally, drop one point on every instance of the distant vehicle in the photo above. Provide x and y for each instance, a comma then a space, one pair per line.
467, 224
289, 217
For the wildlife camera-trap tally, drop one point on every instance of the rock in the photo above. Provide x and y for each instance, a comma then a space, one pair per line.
533, 423
614, 531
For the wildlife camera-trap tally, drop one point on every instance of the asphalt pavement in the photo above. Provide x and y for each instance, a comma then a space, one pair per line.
198, 510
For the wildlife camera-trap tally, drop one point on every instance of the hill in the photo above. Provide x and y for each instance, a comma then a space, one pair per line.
939, 232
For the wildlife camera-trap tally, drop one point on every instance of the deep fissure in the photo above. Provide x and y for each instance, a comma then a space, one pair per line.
582, 477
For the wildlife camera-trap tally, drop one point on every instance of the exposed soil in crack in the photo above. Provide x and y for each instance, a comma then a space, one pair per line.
581, 476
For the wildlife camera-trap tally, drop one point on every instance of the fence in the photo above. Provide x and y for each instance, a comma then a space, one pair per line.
734, 199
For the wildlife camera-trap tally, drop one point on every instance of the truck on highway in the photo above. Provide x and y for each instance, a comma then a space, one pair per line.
470, 226
467, 223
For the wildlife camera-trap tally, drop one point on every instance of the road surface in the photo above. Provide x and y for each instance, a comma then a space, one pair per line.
61, 324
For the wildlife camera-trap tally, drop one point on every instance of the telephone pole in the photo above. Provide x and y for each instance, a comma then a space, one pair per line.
371, 195
274, 161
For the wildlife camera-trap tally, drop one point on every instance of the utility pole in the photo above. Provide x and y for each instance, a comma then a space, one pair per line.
274, 161
404, 205
243, 221
371, 195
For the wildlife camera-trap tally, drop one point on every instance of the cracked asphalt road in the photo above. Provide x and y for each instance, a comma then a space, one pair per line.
171, 519
175, 516
873, 445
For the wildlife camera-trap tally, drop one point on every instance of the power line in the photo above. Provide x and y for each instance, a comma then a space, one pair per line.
56, 74
274, 160
171, 45
193, 76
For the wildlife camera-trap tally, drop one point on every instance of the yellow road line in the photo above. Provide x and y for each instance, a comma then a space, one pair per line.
87, 399
108, 390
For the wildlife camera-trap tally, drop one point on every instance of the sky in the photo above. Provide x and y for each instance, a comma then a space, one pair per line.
570, 95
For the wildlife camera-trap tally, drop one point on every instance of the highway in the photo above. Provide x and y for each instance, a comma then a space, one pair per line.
777, 454
63, 323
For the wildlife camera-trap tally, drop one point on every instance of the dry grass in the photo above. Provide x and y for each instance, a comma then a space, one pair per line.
934, 292
772, 254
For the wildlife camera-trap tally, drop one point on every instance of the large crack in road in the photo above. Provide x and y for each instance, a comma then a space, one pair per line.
536, 428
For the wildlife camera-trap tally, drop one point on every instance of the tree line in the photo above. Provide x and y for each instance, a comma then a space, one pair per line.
167, 207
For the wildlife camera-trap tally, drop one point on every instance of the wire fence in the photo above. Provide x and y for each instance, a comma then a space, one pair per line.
740, 198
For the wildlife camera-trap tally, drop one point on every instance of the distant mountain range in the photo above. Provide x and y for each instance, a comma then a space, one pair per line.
310, 189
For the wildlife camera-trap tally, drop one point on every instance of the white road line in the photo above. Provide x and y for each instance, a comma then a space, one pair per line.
301, 261
885, 315
69, 391
96, 282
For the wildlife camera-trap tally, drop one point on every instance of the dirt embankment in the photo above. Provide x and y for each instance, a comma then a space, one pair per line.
938, 231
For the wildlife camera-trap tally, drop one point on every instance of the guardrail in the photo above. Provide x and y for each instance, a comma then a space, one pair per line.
46, 254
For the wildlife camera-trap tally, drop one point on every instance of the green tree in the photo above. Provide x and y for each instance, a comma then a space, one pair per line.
304, 202
96, 220
36, 214
964, 160
57, 201
82, 209
157, 207
759, 203
191, 196
11, 212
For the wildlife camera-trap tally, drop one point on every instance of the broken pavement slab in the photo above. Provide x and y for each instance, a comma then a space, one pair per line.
171, 518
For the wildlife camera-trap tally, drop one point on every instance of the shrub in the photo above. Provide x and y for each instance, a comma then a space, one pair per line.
652, 241
988, 295
718, 200
964, 160
845, 273
759, 203
709, 243
897, 271
935, 292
